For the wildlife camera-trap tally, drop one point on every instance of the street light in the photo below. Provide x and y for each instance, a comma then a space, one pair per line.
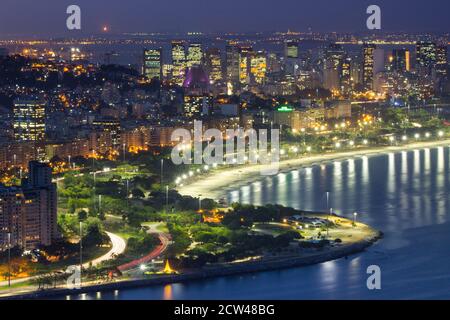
441, 133
167, 196
355, 214
81, 251
9, 259
162, 168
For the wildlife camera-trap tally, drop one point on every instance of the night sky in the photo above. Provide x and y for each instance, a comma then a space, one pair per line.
44, 17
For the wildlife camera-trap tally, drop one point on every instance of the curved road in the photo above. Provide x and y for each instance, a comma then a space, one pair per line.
165, 241
118, 247
152, 255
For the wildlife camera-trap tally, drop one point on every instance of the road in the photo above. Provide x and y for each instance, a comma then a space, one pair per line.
160, 249
118, 247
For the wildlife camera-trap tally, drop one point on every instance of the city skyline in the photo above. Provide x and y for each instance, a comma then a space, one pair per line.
46, 18
166, 143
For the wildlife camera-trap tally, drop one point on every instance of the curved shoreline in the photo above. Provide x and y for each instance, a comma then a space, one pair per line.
283, 262
216, 184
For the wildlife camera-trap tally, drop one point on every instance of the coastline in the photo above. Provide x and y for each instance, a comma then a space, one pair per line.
223, 270
216, 184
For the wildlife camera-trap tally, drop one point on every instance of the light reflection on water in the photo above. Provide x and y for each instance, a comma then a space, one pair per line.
405, 194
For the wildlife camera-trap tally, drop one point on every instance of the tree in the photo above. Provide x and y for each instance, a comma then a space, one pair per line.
137, 193
82, 215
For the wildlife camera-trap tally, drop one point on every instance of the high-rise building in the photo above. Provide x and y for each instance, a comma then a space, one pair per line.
178, 62
425, 56
346, 76
332, 66
40, 223
258, 67
400, 60
12, 208
112, 128
197, 98
368, 65
213, 64
441, 61
28, 214
232, 65
291, 49
152, 67
245, 54
29, 119
195, 55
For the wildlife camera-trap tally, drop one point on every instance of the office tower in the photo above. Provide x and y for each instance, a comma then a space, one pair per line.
400, 60
40, 222
29, 123
11, 217
213, 64
368, 65
152, 67
291, 49
346, 76
441, 61
197, 98
232, 64
425, 56
274, 65
291, 55
178, 62
379, 64
258, 67
245, 54
29, 119
332, 66
195, 55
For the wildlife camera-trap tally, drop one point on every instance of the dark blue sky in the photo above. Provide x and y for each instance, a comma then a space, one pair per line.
48, 16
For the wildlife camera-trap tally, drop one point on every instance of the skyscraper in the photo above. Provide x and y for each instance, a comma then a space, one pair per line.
245, 53
368, 65
213, 64
232, 64
195, 55
291, 49
425, 56
28, 214
258, 67
178, 62
441, 61
29, 119
11, 217
400, 60
152, 67
332, 66
346, 76
40, 223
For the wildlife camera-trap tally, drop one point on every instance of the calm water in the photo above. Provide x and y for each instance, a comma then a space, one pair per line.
406, 195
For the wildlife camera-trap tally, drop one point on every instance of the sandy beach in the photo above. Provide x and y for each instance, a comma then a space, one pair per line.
217, 183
